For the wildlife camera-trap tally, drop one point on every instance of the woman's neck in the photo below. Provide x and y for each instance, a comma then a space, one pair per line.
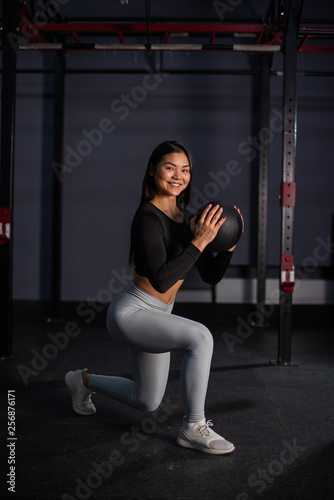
168, 206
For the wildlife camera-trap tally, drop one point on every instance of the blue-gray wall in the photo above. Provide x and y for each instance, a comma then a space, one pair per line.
215, 116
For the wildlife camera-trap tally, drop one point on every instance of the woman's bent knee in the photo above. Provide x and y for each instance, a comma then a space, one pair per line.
202, 337
149, 405
204, 334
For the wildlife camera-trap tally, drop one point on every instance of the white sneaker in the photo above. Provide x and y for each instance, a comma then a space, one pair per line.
81, 397
200, 437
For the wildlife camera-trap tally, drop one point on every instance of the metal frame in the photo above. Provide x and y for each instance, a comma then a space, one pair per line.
288, 181
263, 181
273, 14
297, 38
57, 187
9, 36
267, 37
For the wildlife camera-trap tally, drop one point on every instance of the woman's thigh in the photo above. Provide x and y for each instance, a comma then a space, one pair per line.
157, 332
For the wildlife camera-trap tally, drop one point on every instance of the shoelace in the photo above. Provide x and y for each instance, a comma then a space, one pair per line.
86, 401
205, 429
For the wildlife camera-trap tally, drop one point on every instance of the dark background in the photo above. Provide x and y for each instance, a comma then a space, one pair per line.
263, 407
216, 116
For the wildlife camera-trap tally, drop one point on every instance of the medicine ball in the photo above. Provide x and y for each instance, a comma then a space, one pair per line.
230, 232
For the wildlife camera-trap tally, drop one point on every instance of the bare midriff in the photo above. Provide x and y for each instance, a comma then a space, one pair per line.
167, 297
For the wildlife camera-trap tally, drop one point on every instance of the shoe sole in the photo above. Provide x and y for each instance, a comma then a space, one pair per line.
68, 382
194, 446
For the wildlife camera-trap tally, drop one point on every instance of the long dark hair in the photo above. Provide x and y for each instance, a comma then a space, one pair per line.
149, 188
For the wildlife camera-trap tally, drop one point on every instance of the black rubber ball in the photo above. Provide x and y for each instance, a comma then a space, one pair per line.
230, 232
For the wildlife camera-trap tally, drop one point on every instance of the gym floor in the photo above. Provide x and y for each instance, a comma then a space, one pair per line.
280, 418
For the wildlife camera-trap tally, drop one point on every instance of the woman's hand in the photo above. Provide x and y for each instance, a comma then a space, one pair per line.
206, 226
243, 227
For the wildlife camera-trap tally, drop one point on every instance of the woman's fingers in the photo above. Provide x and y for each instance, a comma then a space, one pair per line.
242, 219
216, 214
211, 214
221, 221
205, 212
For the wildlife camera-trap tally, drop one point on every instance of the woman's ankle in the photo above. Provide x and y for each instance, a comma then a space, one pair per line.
85, 379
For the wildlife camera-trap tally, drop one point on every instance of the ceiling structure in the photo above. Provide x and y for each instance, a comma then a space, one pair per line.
233, 28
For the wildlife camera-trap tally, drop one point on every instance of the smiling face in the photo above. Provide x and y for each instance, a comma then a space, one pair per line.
172, 174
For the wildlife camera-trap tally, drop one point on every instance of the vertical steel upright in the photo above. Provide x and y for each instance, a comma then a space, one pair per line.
288, 180
10, 11
57, 189
263, 179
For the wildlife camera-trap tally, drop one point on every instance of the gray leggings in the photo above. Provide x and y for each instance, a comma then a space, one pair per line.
145, 324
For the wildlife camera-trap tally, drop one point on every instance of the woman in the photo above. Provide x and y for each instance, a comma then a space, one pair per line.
165, 245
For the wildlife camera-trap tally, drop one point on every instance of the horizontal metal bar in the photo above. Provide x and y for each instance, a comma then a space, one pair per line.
305, 73
154, 27
316, 49
313, 28
154, 47
42, 46
141, 27
257, 48
188, 19
235, 72
173, 47
108, 46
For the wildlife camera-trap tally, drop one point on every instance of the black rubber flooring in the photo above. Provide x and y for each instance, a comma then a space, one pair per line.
280, 418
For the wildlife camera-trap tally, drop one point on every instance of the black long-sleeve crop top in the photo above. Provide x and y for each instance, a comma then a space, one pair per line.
163, 251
